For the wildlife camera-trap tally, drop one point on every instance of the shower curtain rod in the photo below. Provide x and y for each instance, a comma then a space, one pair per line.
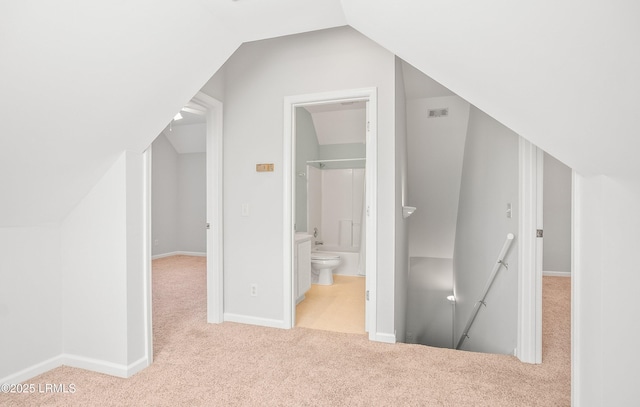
336, 160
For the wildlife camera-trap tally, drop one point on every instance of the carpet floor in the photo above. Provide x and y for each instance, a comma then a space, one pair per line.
229, 364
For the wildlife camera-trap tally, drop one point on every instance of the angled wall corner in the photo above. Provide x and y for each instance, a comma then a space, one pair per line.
102, 271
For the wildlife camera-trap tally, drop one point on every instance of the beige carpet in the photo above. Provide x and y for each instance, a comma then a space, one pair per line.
198, 364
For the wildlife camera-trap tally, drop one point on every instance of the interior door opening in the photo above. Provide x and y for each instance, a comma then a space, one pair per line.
183, 201
331, 177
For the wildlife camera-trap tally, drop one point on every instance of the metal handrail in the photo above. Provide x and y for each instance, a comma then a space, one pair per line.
494, 272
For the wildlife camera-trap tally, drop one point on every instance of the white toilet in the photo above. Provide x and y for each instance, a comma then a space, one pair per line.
322, 265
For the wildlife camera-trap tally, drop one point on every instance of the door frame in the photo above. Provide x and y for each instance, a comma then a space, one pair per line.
530, 253
211, 108
290, 105
215, 221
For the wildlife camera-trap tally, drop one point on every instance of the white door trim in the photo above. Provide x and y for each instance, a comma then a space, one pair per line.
146, 252
576, 296
529, 337
290, 104
215, 253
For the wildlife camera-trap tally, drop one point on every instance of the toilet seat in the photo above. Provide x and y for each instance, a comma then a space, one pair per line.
324, 256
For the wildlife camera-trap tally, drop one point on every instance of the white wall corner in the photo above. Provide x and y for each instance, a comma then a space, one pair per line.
80, 362
102, 366
382, 337
33, 371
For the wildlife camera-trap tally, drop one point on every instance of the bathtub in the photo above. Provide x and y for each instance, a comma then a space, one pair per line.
350, 258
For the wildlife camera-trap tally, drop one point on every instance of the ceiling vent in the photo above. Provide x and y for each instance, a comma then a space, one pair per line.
442, 112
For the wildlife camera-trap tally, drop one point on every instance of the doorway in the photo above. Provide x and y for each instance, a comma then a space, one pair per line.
367, 96
211, 110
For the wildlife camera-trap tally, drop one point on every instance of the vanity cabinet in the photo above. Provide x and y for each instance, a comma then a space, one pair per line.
302, 266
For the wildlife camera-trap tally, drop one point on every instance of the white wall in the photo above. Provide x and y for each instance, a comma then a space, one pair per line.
83, 293
401, 225
178, 199
187, 138
306, 150
164, 200
30, 298
489, 182
429, 313
345, 150
192, 202
94, 264
557, 216
436, 150
605, 282
137, 323
102, 272
216, 84
259, 76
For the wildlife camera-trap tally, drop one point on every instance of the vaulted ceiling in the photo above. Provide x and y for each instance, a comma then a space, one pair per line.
82, 81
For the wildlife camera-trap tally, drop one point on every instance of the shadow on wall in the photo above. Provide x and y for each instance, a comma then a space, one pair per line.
429, 313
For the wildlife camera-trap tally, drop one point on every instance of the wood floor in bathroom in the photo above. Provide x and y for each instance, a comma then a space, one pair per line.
338, 307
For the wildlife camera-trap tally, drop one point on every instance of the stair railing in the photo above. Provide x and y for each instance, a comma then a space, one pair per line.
476, 308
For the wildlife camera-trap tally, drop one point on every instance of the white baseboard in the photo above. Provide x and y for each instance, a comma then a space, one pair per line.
33, 371
244, 319
386, 338
80, 362
178, 253
102, 366
557, 273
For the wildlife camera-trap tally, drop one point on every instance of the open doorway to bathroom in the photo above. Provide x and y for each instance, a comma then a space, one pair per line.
330, 273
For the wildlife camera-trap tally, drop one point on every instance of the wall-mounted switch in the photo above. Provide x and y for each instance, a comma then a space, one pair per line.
509, 212
245, 209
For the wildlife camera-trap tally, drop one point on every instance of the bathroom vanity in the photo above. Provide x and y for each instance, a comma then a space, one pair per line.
301, 265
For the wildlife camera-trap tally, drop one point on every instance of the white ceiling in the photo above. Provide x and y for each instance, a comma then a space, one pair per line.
548, 70
110, 75
189, 134
339, 123
189, 118
188, 138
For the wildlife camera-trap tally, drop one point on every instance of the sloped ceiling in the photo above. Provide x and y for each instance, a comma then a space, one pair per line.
82, 81
562, 74
339, 123
188, 138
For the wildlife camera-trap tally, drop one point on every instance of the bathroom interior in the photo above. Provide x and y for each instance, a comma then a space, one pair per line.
329, 272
